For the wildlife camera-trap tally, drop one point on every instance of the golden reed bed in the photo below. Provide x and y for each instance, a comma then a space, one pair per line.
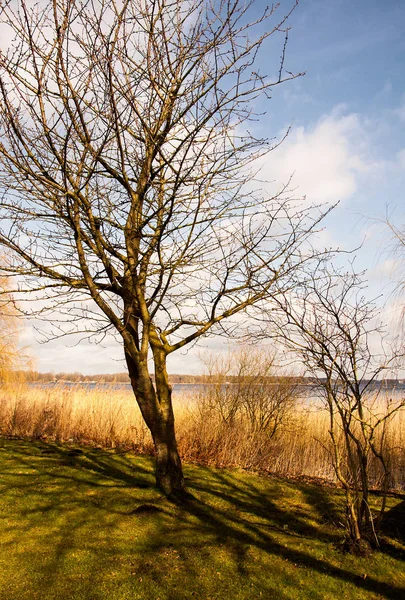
109, 417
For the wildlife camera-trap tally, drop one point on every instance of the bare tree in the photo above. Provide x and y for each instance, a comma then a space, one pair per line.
245, 384
334, 330
127, 177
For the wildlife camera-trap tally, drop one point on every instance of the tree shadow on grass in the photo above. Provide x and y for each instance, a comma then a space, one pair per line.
246, 497
225, 529
97, 466
324, 501
394, 522
393, 528
91, 491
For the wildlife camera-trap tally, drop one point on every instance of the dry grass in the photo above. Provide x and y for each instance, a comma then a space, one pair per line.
109, 417
102, 416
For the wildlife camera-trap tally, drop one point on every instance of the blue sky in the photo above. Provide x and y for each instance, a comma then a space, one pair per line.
347, 145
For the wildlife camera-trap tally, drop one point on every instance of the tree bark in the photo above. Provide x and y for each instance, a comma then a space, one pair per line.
169, 472
157, 411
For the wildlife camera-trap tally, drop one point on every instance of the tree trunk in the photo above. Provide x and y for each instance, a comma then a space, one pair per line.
157, 411
169, 473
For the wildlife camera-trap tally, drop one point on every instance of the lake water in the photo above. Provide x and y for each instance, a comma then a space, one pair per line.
306, 392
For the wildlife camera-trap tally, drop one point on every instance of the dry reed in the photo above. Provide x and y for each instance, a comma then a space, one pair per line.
109, 417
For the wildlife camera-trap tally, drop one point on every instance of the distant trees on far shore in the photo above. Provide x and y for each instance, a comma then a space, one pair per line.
76, 377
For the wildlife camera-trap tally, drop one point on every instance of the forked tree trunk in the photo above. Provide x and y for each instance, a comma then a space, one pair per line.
157, 411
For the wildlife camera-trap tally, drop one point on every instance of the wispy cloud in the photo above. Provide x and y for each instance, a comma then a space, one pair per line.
325, 159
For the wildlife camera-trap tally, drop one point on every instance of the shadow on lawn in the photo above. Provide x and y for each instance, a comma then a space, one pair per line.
226, 510
394, 522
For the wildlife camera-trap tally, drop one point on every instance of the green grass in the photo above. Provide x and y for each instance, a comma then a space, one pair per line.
92, 526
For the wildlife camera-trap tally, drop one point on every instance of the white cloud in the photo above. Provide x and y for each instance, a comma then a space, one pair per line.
326, 159
67, 355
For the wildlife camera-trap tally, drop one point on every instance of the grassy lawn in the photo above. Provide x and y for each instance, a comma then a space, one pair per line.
89, 524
